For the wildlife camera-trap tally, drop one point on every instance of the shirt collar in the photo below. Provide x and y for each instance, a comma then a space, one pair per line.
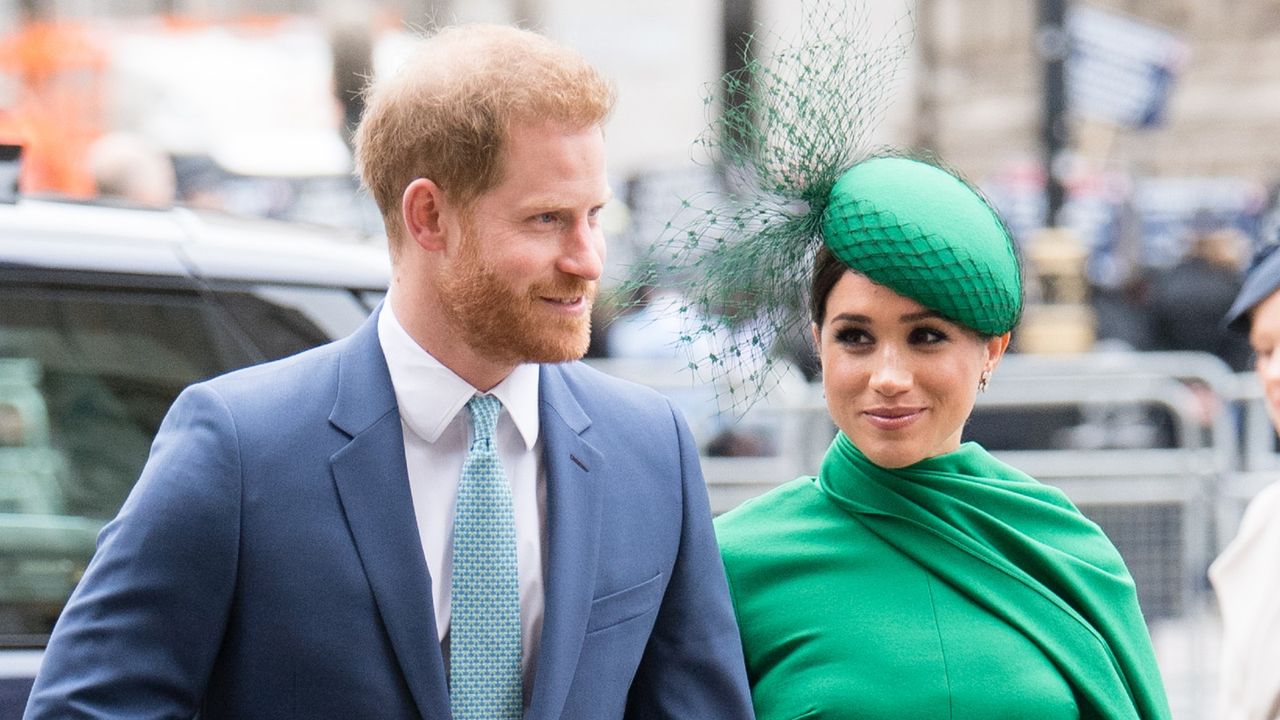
430, 395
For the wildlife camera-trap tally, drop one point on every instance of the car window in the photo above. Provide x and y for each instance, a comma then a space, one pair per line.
282, 320
371, 298
86, 376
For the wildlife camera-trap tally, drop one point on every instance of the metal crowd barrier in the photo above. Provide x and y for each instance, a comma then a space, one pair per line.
1259, 461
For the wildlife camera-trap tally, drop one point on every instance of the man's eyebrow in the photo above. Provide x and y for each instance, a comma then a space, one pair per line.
557, 201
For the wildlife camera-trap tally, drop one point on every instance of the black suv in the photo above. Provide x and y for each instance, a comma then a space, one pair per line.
106, 313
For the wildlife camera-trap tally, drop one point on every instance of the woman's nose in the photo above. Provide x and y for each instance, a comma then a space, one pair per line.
891, 376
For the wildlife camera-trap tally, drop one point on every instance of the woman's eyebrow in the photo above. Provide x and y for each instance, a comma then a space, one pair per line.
922, 315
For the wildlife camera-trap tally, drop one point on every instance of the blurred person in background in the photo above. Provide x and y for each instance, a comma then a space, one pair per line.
1187, 302
647, 326
52, 72
1245, 576
442, 515
129, 168
351, 38
13, 427
650, 326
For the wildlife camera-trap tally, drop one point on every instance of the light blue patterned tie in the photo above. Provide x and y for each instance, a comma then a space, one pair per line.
484, 644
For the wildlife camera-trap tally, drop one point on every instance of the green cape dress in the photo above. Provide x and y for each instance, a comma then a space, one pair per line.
957, 587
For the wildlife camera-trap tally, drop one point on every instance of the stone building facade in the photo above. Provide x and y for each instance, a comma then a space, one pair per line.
978, 92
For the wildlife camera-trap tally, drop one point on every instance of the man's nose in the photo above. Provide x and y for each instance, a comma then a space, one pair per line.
583, 251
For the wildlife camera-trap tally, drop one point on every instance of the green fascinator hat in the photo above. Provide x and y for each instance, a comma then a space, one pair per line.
925, 234
798, 172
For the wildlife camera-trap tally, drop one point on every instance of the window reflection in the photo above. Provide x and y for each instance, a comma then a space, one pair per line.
86, 377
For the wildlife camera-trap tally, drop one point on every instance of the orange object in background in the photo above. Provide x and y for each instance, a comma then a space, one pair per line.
54, 72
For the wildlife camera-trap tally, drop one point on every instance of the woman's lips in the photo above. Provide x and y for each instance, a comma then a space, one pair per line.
892, 418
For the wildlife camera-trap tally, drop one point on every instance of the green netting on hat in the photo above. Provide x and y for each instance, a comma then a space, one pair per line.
925, 234
741, 256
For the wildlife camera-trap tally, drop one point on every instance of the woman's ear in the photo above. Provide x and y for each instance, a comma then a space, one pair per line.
996, 348
816, 332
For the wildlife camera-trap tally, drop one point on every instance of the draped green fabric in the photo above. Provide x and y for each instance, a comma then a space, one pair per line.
958, 587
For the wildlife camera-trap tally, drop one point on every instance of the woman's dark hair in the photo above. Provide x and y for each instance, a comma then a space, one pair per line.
827, 271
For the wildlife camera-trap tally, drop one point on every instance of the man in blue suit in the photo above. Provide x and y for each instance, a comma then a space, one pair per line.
290, 549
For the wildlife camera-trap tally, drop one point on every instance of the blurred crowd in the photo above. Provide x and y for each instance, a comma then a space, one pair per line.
1181, 307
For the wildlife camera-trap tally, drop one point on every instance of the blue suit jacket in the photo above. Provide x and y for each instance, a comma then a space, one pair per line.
268, 564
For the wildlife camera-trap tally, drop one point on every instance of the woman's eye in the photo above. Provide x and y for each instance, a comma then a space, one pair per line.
852, 336
926, 336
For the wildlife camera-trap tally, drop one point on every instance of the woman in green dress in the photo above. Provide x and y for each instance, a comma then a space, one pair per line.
916, 576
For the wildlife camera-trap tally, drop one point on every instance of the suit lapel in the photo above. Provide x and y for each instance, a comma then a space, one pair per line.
573, 529
373, 487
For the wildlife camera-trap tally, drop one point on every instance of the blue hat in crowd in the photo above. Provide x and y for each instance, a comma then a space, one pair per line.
1262, 279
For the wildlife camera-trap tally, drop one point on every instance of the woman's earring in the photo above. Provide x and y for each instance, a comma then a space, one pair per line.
983, 380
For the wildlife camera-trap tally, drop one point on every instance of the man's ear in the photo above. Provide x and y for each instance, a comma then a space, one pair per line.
425, 211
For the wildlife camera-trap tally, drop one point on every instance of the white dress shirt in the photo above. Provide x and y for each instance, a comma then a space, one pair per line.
437, 431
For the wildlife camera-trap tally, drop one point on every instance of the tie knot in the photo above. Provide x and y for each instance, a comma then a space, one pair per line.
484, 416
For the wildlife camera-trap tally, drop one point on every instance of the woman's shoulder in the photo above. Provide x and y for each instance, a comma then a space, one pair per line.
768, 503
760, 520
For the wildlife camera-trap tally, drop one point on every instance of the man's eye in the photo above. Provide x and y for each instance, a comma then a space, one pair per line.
545, 217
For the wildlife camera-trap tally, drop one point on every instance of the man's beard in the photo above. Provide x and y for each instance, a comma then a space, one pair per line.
505, 325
